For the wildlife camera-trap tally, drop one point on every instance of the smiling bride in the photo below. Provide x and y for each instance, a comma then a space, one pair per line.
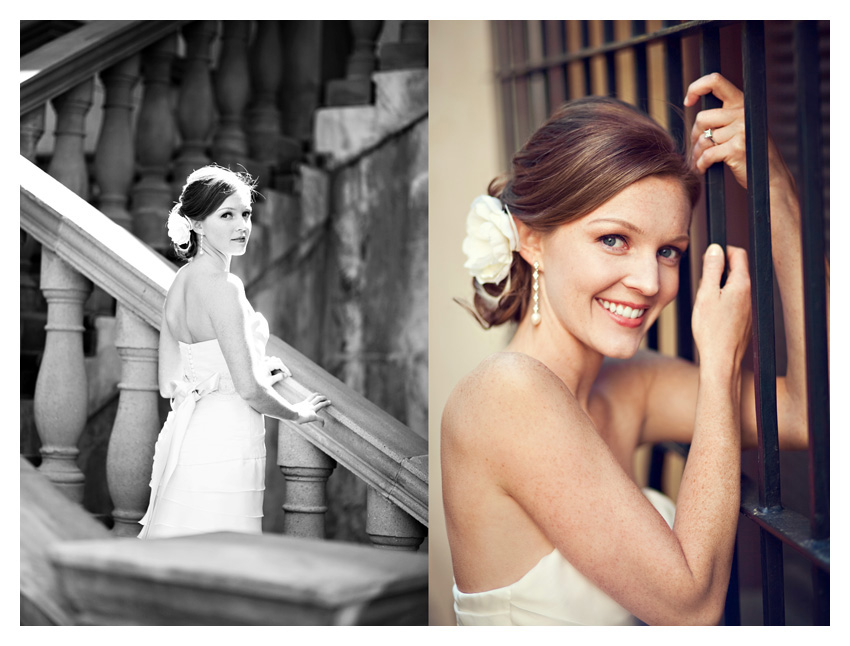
580, 246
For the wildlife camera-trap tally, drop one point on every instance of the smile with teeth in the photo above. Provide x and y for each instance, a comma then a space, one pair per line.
621, 310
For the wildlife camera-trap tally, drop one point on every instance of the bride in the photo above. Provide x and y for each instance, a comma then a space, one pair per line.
580, 246
209, 462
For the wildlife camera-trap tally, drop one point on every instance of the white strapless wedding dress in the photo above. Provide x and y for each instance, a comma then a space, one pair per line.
552, 593
210, 457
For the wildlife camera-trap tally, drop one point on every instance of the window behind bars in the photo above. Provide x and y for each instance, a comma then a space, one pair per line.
782, 549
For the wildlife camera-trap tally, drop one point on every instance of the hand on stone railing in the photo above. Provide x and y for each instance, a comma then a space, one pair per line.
308, 408
277, 368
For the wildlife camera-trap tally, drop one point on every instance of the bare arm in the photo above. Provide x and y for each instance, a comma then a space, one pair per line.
169, 369
674, 383
227, 309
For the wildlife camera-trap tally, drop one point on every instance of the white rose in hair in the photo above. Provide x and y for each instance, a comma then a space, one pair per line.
491, 239
178, 228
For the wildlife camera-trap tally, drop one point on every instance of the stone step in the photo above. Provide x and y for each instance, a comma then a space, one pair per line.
47, 518
241, 579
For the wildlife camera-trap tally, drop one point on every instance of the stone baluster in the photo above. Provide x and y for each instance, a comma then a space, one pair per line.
265, 60
129, 459
306, 469
390, 527
357, 87
196, 104
232, 89
304, 57
114, 161
156, 132
411, 51
61, 389
60, 406
68, 164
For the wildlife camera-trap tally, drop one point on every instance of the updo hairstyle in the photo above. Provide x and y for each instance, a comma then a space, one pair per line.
590, 149
205, 190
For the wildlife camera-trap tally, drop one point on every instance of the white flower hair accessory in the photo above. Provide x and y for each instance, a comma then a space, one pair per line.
178, 227
491, 239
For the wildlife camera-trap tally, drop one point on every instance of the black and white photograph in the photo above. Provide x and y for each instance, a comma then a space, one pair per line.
224, 322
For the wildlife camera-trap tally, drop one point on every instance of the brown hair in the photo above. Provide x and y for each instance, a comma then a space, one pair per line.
589, 150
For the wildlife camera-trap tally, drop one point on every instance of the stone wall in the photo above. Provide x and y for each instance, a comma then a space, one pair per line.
339, 267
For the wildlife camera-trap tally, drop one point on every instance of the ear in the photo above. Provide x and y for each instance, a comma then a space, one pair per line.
529, 242
197, 225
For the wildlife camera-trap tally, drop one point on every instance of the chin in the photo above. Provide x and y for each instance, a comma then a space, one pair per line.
621, 353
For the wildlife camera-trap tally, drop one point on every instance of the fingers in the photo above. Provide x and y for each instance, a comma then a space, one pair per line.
723, 123
715, 84
739, 268
713, 264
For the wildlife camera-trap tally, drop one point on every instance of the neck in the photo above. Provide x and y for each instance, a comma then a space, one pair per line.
575, 363
215, 257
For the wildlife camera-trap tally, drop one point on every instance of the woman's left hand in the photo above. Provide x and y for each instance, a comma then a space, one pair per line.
726, 124
728, 133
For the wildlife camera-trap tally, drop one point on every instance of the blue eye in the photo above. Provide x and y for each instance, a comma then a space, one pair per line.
613, 241
671, 253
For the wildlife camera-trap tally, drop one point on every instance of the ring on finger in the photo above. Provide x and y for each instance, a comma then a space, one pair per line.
707, 134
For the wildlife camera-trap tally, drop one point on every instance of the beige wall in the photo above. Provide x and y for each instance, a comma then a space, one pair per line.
464, 153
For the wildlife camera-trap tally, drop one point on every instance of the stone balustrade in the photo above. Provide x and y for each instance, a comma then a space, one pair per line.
133, 178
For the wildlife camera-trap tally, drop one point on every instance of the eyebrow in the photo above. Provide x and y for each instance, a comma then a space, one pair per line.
230, 208
636, 229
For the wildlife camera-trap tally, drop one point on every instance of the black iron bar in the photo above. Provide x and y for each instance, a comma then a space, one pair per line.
585, 45
788, 526
761, 276
807, 74
715, 197
641, 73
610, 65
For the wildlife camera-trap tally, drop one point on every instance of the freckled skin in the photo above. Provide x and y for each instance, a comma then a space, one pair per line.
537, 442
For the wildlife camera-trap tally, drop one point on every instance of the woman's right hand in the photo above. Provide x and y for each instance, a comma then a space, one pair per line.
308, 408
722, 316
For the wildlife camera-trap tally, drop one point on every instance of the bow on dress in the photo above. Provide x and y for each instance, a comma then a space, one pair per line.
167, 450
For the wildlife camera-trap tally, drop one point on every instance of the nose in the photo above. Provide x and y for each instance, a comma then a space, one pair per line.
643, 274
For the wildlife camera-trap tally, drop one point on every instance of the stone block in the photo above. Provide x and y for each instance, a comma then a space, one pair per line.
241, 579
401, 98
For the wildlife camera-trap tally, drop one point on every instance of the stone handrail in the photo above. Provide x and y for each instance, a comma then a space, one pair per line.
71, 59
383, 452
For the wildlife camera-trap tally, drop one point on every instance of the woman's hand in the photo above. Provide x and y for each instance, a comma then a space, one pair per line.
277, 369
727, 132
308, 408
726, 125
722, 316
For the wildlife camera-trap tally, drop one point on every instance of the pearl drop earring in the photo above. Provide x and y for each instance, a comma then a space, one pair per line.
535, 314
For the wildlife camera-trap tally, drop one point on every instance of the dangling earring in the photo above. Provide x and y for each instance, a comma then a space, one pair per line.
200, 244
535, 314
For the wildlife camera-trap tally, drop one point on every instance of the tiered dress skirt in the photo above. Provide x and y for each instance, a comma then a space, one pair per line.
209, 462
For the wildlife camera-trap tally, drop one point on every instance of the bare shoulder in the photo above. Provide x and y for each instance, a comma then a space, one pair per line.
500, 394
